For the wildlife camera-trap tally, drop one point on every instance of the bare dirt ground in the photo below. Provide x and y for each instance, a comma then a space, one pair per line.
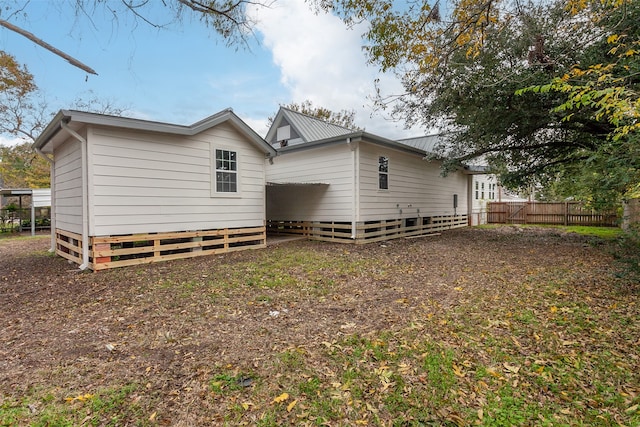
168, 326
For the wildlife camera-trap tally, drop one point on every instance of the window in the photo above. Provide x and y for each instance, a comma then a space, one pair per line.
476, 190
482, 191
226, 171
383, 173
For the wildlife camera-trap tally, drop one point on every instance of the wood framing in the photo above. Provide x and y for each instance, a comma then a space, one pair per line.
69, 245
369, 231
120, 251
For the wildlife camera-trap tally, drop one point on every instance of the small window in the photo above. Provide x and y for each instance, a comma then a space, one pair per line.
482, 191
226, 171
477, 190
383, 173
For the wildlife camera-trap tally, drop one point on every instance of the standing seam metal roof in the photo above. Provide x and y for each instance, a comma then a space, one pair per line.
426, 143
312, 129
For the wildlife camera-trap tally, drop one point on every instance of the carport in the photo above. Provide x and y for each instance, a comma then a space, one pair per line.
40, 198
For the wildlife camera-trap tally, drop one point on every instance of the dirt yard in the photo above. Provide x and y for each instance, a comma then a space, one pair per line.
177, 338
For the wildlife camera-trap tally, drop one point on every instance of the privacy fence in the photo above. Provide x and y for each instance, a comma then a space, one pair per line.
564, 213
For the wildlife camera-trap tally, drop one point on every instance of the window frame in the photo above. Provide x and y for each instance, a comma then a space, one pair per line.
229, 152
382, 173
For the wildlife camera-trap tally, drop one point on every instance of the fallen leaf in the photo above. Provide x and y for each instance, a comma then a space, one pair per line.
291, 405
153, 416
516, 342
281, 398
511, 368
457, 371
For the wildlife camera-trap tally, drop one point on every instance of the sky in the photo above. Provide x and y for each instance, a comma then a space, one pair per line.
185, 73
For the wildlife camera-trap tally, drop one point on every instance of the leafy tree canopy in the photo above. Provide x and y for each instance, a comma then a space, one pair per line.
464, 65
22, 167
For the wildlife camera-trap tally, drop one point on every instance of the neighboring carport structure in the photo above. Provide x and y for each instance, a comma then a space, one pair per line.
40, 198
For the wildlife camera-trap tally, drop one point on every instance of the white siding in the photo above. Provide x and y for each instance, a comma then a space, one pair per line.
487, 191
415, 187
332, 165
146, 182
68, 187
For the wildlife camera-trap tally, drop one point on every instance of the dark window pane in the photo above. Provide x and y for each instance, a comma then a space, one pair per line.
384, 181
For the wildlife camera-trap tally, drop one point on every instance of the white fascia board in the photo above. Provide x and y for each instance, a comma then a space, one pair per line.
68, 116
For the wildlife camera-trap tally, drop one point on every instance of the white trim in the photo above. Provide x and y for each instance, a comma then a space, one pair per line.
212, 159
386, 156
85, 207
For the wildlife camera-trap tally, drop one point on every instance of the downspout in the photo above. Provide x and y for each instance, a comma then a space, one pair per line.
52, 186
85, 194
355, 199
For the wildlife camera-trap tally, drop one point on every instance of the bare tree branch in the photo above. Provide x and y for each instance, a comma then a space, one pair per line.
47, 46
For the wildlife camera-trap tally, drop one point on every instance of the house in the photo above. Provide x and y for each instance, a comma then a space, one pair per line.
332, 183
128, 191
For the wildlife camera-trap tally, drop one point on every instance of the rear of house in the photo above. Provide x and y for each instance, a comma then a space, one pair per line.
331, 183
129, 191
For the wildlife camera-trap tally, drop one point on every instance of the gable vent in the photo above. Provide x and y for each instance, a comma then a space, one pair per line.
283, 134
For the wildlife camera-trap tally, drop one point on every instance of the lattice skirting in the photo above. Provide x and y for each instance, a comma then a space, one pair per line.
368, 231
133, 249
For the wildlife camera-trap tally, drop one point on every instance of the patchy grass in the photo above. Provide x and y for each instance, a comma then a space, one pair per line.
608, 233
479, 327
106, 407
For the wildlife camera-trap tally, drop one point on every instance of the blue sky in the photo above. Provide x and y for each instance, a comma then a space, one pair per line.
185, 73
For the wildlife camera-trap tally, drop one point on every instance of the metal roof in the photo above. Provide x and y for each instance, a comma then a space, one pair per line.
427, 143
307, 128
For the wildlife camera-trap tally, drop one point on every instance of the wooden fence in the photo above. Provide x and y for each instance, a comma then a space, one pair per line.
563, 213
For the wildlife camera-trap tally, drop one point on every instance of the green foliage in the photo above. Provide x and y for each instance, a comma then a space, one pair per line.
22, 167
627, 253
502, 76
108, 407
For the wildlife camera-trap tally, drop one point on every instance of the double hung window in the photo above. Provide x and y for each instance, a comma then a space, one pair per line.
383, 173
226, 162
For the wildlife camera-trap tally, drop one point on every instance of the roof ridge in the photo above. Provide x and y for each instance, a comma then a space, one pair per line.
317, 119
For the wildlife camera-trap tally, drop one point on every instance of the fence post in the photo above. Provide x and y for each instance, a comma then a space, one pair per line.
566, 213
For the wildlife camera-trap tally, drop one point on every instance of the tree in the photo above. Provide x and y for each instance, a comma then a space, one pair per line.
22, 116
22, 167
462, 71
16, 83
607, 91
228, 18
344, 118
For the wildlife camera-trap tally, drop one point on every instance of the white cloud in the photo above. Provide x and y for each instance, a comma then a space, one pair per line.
322, 60
9, 141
